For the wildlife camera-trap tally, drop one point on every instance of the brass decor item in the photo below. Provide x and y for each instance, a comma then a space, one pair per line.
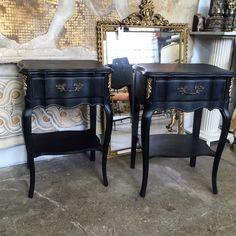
145, 20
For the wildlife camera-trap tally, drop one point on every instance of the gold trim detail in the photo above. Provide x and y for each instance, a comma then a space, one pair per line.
76, 87
231, 87
185, 91
109, 83
103, 27
24, 80
149, 88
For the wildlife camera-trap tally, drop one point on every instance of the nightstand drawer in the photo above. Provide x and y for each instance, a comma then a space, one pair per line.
57, 88
188, 90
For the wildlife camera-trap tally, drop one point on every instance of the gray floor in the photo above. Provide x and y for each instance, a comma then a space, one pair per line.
71, 200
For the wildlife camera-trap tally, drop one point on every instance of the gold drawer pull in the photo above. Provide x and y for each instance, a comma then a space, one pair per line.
76, 87
185, 91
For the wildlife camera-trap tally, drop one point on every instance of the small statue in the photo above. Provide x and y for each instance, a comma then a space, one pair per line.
198, 22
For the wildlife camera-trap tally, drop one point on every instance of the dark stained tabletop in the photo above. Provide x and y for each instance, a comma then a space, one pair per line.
182, 70
62, 65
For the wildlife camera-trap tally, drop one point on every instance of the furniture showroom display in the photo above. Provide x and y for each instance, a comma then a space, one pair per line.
186, 87
66, 83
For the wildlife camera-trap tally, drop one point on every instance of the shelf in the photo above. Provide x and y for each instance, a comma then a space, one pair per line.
174, 145
213, 34
64, 142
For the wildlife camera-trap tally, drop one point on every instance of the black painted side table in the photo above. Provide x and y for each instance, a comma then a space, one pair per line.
66, 83
186, 87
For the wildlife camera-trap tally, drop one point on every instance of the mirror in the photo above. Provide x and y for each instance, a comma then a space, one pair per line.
142, 37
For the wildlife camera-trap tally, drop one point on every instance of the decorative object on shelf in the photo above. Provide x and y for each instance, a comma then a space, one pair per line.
229, 15
198, 22
215, 22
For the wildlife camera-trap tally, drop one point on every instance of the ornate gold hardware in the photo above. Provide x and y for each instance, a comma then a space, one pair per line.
149, 88
24, 80
185, 91
109, 83
231, 87
62, 87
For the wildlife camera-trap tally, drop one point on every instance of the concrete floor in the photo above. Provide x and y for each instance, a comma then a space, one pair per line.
71, 200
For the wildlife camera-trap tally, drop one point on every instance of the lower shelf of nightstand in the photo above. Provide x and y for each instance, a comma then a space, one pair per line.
62, 142
174, 145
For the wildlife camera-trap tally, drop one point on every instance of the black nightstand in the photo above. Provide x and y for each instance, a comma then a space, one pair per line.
186, 87
66, 83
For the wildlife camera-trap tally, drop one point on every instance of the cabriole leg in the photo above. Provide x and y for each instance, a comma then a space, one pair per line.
145, 131
220, 147
107, 139
135, 121
196, 131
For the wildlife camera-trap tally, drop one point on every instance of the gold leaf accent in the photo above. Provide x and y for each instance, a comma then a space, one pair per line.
149, 88
109, 83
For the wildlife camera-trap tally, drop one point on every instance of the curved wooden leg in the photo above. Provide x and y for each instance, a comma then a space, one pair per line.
134, 138
26, 127
196, 131
26, 124
145, 130
93, 115
220, 147
107, 139
32, 176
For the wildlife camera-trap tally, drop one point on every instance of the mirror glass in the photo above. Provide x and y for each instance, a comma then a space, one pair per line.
142, 45
142, 37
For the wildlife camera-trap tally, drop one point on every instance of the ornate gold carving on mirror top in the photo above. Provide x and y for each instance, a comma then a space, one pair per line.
145, 16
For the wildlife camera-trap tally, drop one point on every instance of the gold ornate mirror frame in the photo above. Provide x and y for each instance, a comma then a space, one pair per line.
146, 18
